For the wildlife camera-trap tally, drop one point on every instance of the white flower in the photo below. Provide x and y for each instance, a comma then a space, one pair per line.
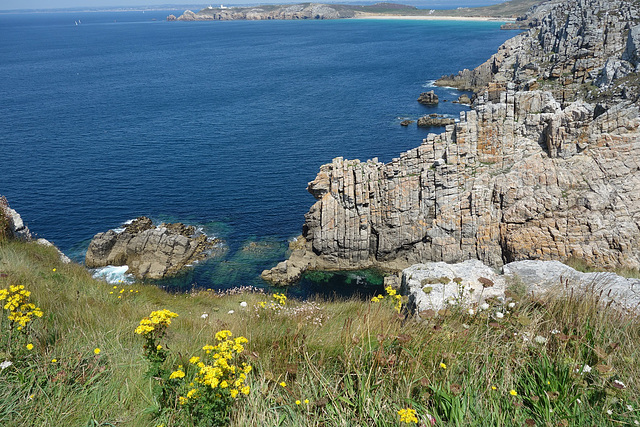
511, 304
585, 369
230, 312
629, 408
555, 332
243, 304
499, 315
484, 306
540, 339
5, 364
609, 412
636, 422
204, 315
579, 401
471, 312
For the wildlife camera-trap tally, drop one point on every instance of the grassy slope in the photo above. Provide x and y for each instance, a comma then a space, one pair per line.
358, 367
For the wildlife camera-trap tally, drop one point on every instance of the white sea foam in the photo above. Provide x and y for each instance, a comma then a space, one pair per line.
113, 274
430, 83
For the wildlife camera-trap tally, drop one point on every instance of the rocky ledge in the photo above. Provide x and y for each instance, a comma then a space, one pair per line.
150, 252
546, 165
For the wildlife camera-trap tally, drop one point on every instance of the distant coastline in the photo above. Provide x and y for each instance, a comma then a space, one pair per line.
434, 18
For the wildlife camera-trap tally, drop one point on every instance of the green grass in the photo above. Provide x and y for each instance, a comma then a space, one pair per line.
357, 363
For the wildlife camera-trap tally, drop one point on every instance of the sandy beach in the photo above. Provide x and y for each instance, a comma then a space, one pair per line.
431, 17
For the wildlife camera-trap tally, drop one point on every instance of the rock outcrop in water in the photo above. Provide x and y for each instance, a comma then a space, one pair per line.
546, 166
296, 11
150, 252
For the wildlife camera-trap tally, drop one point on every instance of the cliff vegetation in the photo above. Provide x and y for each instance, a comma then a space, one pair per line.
559, 360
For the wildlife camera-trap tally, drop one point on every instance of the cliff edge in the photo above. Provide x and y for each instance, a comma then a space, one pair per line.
545, 166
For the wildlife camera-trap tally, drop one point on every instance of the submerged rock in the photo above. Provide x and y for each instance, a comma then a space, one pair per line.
434, 120
150, 252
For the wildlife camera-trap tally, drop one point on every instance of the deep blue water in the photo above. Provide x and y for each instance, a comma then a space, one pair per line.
218, 124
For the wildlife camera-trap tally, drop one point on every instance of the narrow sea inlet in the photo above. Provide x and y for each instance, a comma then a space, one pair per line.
216, 124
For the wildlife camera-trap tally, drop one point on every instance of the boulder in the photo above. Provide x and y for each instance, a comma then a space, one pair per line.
434, 120
436, 286
406, 122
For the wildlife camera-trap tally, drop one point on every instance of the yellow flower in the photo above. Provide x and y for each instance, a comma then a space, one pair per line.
96, 351
176, 374
298, 402
54, 360
29, 346
194, 360
442, 365
513, 392
306, 401
182, 400
54, 270
494, 387
234, 393
283, 384
159, 347
245, 389
191, 393
408, 416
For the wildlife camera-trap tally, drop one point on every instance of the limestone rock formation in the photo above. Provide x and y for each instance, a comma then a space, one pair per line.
12, 220
435, 286
428, 98
546, 165
267, 12
150, 252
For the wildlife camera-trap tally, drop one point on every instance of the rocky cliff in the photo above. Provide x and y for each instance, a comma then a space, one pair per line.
545, 166
296, 11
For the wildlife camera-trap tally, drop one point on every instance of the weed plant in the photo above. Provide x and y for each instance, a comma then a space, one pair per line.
561, 359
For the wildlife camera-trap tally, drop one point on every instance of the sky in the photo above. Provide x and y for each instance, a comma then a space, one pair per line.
54, 4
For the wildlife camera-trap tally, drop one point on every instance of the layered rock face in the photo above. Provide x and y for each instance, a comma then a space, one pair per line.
296, 11
150, 252
526, 174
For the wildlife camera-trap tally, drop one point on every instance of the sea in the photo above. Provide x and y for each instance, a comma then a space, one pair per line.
107, 116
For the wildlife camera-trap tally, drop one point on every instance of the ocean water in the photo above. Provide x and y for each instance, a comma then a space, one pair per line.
216, 124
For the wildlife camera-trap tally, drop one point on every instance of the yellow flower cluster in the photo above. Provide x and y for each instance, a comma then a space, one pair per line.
280, 298
408, 416
216, 370
157, 320
393, 294
122, 292
21, 311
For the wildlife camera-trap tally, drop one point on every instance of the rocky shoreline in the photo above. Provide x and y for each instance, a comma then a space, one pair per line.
546, 165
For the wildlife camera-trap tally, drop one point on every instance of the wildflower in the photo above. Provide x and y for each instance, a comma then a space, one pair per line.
585, 369
230, 312
96, 351
29, 346
298, 402
283, 384
54, 270
499, 315
408, 416
245, 390
194, 360
494, 387
540, 339
376, 299
176, 374
4, 365
54, 360
579, 401
243, 304
471, 312
234, 393
442, 365
182, 400
484, 306
306, 401
158, 347
629, 408
511, 304
204, 315
512, 392
609, 412
555, 332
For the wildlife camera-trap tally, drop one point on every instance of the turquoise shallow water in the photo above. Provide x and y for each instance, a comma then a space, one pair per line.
217, 124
